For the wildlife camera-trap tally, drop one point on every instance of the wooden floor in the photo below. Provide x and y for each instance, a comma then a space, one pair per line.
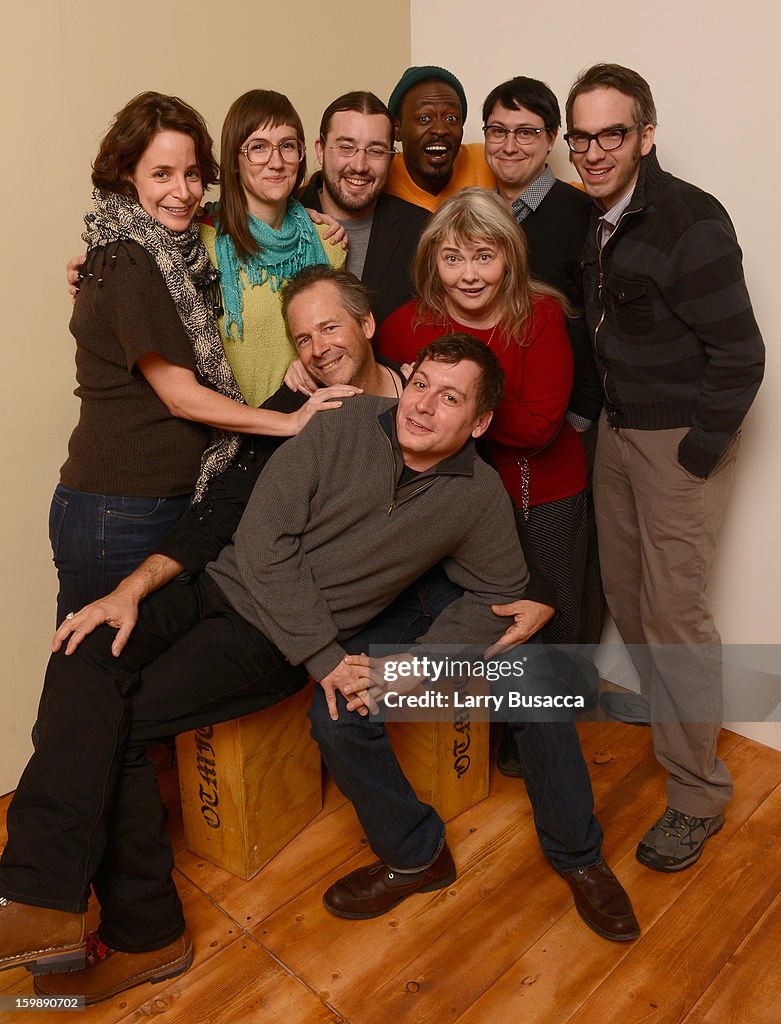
503, 944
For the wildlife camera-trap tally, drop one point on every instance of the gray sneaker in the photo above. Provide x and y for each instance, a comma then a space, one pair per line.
626, 707
676, 840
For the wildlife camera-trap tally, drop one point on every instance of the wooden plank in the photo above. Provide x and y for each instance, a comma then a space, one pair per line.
748, 988
213, 933
324, 847
565, 966
489, 935
484, 840
240, 984
502, 944
517, 926
301, 931
687, 946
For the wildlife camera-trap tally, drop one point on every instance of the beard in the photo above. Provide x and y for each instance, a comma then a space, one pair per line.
342, 197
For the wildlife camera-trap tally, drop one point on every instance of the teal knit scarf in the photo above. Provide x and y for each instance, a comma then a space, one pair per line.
281, 254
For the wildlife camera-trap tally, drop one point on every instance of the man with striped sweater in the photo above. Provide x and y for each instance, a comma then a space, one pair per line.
681, 358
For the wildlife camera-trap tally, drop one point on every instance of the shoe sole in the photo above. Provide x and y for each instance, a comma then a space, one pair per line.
59, 961
647, 860
165, 974
611, 936
441, 883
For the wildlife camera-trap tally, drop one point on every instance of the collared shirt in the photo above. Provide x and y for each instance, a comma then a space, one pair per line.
531, 197
609, 221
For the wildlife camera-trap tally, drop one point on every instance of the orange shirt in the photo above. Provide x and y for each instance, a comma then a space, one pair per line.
469, 168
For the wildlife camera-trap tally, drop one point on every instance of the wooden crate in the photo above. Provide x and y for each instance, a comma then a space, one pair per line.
250, 785
445, 762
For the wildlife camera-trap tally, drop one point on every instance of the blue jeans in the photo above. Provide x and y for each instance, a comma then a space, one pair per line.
403, 831
97, 539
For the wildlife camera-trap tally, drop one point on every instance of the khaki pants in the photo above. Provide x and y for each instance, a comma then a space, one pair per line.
658, 527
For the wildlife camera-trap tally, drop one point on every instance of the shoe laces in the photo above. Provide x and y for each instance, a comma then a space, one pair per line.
675, 823
96, 948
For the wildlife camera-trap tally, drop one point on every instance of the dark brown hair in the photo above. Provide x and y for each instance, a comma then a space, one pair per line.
454, 348
255, 108
614, 76
134, 127
361, 103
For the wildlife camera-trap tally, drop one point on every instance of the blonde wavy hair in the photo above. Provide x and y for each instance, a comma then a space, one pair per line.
477, 215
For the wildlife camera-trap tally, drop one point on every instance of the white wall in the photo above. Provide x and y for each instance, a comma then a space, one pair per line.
713, 71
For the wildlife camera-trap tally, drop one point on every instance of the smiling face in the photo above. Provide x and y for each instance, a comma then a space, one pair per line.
353, 184
430, 127
334, 347
516, 165
437, 412
168, 181
472, 274
608, 177
267, 187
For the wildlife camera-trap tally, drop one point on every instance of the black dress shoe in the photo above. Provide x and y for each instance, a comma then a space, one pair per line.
376, 889
508, 760
602, 902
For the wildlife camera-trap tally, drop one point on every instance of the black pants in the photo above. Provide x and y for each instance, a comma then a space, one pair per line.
87, 810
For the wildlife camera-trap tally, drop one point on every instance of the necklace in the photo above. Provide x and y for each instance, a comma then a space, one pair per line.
393, 379
468, 329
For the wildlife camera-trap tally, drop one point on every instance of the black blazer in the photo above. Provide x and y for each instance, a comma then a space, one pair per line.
556, 232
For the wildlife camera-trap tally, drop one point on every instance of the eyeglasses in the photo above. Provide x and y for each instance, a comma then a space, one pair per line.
349, 150
495, 134
607, 140
259, 151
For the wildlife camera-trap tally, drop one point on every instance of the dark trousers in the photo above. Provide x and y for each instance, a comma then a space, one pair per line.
592, 609
87, 809
408, 834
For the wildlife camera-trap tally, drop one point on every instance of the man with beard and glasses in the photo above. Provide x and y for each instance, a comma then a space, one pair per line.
429, 109
681, 358
355, 148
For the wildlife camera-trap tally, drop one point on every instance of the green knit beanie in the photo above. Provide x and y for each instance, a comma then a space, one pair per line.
412, 76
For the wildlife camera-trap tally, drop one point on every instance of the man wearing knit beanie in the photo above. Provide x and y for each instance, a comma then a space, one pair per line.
429, 108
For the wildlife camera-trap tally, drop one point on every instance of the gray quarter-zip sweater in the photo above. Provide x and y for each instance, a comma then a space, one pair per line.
329, 538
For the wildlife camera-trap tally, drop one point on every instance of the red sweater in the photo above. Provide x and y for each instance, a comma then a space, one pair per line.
529, 422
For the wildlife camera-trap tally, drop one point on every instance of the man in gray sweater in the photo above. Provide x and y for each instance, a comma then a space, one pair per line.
323, 547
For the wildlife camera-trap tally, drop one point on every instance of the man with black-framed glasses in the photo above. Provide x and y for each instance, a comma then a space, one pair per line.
355, 148
681, 358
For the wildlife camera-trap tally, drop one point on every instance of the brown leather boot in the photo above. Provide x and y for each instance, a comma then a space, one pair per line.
40, 939
110, 971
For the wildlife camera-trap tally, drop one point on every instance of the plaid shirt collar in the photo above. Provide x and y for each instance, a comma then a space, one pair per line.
531, 197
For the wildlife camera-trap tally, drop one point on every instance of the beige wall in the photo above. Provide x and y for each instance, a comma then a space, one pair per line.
66, 69
712, 67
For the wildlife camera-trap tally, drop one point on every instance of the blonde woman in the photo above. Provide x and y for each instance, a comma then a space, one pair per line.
471, 275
